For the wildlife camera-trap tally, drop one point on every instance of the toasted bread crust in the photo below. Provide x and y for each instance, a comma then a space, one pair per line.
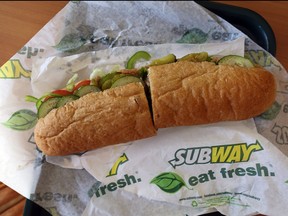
95, 120
187, 93
182, 93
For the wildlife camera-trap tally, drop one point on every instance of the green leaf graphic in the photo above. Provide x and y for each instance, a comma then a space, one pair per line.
168, 182
86, 31
272, 112
286, 181
22, 120
70, 43
194, 36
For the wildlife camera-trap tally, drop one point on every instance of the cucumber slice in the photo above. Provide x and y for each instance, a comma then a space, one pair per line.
125, 80
47, 106
66, 99
236, 60
86, 89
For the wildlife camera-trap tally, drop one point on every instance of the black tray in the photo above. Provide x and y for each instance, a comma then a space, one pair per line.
247, 21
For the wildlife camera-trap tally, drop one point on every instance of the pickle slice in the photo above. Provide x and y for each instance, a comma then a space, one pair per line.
170, 58
117, 76
105, 78
195, 57
235, 60
125, 80
107, 84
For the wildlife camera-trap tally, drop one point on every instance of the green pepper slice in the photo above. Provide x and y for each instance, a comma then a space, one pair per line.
136, 57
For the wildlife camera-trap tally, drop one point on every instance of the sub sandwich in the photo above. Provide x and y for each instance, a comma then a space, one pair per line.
131, 104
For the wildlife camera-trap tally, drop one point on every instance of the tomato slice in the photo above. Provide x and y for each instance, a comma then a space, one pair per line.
82, 83
60, 92
64, 92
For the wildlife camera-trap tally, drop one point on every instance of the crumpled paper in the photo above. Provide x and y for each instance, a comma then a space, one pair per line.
92, 26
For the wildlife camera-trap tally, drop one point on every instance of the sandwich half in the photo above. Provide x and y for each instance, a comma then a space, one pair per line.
117, 115
193, 93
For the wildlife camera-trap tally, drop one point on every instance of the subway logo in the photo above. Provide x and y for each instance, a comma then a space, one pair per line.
232, 153
13, 69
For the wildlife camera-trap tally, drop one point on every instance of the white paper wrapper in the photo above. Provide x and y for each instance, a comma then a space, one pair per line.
153, 157
82, 27
227, 166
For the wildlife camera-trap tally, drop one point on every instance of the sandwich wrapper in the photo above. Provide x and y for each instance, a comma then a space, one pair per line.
237, 168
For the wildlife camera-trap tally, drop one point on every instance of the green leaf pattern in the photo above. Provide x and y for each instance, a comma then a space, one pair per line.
272, 112
194, 36
70, 43
168, 182
74, 41
22, 120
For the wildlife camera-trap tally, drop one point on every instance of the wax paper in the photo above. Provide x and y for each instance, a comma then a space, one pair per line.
69, 188
189, 172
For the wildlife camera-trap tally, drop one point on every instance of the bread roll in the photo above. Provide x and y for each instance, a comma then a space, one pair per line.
182, 93
117, 115
188, 93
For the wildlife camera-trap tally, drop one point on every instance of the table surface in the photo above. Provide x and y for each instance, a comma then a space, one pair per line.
20, 21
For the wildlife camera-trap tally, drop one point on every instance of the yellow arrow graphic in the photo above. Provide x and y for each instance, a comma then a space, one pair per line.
122, 159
